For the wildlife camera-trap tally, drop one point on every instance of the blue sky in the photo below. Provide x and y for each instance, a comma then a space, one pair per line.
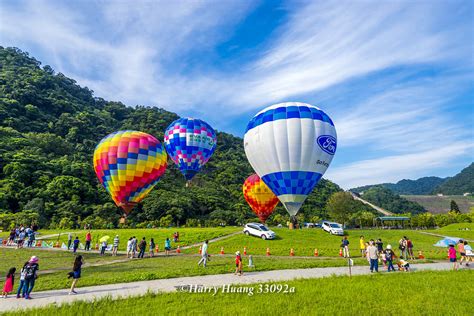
395, 76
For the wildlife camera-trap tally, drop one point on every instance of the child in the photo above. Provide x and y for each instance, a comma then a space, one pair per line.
452, 256
9, 282
238, 263
75, 244
389, 255
21, 287
403, 265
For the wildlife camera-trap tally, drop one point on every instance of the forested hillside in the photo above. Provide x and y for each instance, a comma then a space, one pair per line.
49, 127
390, 201
421, 186
461, 183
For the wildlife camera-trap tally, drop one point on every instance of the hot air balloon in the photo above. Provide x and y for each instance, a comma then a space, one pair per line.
260, 198
190, 144
129, 164
290, 145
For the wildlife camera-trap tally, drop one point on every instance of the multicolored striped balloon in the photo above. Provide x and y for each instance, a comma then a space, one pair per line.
260, 198
190, 144
129, 164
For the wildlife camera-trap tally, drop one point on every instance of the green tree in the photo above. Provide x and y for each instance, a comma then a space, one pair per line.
340, 207
454, 207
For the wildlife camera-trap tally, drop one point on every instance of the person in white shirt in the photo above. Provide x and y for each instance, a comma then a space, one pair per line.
204, 254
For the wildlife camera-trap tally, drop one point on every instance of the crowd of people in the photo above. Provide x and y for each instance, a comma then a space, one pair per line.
20, 234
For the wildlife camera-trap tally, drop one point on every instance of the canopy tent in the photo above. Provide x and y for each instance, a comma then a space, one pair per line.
445, 242
395, 219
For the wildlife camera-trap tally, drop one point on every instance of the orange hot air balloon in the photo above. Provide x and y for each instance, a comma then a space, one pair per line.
129, 164
260, 198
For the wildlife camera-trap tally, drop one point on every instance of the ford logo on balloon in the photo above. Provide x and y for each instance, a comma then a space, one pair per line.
327, 144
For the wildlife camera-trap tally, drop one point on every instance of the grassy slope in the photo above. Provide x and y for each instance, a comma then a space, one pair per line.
173, 266
420, 293
457, 230
187, 236
48, 259
306, 240
441, 204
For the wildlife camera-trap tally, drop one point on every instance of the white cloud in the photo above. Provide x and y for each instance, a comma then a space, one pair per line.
395, 168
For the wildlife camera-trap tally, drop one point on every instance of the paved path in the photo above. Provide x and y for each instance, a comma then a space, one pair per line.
170, 285
375, 207
442, 236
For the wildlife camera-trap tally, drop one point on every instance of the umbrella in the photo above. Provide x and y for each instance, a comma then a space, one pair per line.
104, 238
445, 242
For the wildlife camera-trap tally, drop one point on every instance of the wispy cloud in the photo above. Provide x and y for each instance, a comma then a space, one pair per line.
395, 168
149, 53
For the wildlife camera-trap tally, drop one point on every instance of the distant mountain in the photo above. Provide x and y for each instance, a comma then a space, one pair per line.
422, 186
461, 183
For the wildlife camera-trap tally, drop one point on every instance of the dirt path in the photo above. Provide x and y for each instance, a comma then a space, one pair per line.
375, 207
123, 290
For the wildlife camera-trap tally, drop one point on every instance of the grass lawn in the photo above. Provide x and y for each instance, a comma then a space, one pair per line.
419, 293
304, 242
457, 230
175, 266
10, 257
187, 236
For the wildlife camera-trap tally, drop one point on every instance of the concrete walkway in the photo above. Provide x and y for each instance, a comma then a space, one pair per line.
122, 290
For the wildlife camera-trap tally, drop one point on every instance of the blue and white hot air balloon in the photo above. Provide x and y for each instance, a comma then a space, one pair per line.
290, 145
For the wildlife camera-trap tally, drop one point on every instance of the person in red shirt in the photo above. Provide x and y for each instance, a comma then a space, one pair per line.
88, 240
452, 256
238, 263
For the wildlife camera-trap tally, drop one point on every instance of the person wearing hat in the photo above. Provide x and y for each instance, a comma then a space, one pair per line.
31, 269
238, 263
389, 255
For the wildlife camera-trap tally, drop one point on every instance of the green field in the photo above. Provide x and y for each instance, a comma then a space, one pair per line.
10, 257
304, 242
187, 236
418, 293
457, 230
150, 268
441, 204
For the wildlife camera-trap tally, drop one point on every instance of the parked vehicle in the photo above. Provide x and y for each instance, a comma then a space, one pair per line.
259, 230
332, 228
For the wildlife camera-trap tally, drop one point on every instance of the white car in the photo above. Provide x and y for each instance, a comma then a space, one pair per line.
259, 230
332, 228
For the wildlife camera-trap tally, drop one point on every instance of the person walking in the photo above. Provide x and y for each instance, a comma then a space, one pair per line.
88, 241
31, 238
362, 246
452, 256
238, 263
410, 253
31, 275
142, 248
9, 282
75, 245
115, 245
152, 247
345, 247
69, 241
76, 273
373, 255
462, 251
204, 254
21, 286
389, 255
167, 246
130, 248
468, 250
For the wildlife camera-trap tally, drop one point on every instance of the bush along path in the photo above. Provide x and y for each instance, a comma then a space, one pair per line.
123, 290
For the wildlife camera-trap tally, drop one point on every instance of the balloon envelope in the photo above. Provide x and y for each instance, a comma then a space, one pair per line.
290, 146
260, 198
190, 144
129, 164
